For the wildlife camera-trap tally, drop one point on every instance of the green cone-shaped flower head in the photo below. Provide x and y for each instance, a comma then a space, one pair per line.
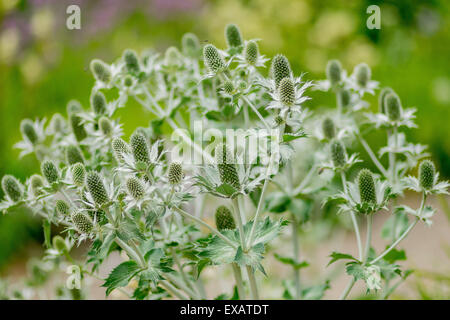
393, 106
59, 243
366, 185
334, 71
58, 123
78, 174
228, 87
37, 183
363, 74
226, 166
119, 147
49, 171
105, 125
128, 81
427, 173
77, 127
382, 99
280, 69
135, 188
82, 222
28, 131
73, 155
172, 56
12, 188
98, 102
100, 70
131, 61
175, 173
328, 128
139, 147
213, 59
62, 207
190, 45
338, 154
96, 188
251, 52
286, 92
74, 106
344, 97
224, 219
233, 35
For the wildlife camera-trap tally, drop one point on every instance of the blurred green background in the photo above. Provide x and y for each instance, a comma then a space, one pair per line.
43, 64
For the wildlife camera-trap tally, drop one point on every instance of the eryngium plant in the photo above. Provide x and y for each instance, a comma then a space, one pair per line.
133, 196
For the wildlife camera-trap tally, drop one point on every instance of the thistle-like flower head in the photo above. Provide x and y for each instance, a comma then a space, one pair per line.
251, 52
59, 244
228, 87
175, 173
172, 57
226, 166
131, 61
393, 106
213, 59
96, 188
286, 91
73, 155
12, 188
224, 219
233, 35
62, 207
100, 70
361, 81
382, 99
49, 171
119, 147
140, 148
77, 127
190, 45
280, 69
82, 222
98, 102
328, 128
345, 98
338, 154
427, 173
36, 184
334, 72
135, 188
363, 74
78, 174
28, 131
105, 126
366, 185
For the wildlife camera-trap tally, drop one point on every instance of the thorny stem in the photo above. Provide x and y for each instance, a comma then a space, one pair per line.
238, 278
372, 155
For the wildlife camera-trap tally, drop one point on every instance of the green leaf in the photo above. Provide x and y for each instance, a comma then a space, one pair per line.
287, 137
335, 256
277, 202
226, 190
290, 261
315, 292
395, 255
356, 270
301, 208
399, 222
128, 230
121, 275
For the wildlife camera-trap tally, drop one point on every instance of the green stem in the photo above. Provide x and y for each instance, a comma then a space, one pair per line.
239, 282
252, 280
237, 213
257, 113
372, 155
172, 290
296, 249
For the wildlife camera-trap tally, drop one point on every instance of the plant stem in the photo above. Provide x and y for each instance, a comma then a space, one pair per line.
372, 155
181, 285
296, 249
347, 289
256, 112
368, 238
239, 282
172, 290
305, 181
130, 252
252, 280
237, 213
394, 170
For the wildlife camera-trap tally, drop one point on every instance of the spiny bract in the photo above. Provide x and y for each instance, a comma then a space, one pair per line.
226, 166
12, 187
94, 183
224, 219
366, 185
427, 173
49, 171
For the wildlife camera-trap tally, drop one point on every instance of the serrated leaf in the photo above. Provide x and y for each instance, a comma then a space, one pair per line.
277, 202
121, 275
290, 261
355, 270
335, 256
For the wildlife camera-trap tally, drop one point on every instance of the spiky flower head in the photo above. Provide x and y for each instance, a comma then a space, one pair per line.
233, 35
12, 187
37, 183
74, 106
427, 173
96, 188
131, 61
98, 102
366, 185
328, 128
213, 59
49, 171
58, 123
228, 87
190, 45
393, 106
77, 127
334, 71
251, 52
135, 188
280, 69
105, 126
224, 219
119, 148
73, 155
28, 131
363, 74
59, 243
62, 207
139, 147
382, 99
286, 91
338, 154
226, 166
100, 70
82, 222
78, 174
344, 97
128, 81
175, 173
172, 56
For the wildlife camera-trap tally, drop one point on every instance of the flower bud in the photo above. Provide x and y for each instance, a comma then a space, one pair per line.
49, 171
59, 244
96, 188
190, 45
224, 219
139, 148
382, 99
328, 128
228, 87
37, 183
74, 106
62, 207
251, 52
78, 174
119, 148
105, 126
366, 185
98, 102
100, 70
344, 97
58, 123
427, 173
73, 155
338, 154
363, 74
82, 222
131, 61
226, 166
213, 60
172, 56
280, 69
12, 188
135, 188
175, 173
242, 85
77, 127
28, 131
233, 35
393, 106
286, 91
334, 72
